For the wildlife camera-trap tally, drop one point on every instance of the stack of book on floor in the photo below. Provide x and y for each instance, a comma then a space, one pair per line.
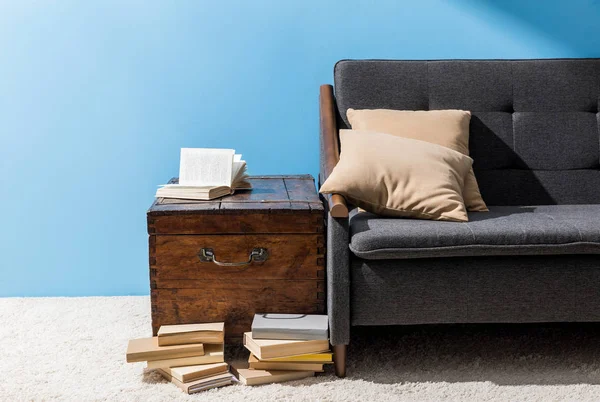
190, 356
285, 347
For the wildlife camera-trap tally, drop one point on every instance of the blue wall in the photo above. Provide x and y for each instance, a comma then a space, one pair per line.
97, 97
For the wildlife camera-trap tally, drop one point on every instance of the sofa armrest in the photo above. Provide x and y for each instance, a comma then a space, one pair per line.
338, 280
338, 233
330, 149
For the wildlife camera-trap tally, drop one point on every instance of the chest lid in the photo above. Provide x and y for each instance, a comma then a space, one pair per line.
275, 204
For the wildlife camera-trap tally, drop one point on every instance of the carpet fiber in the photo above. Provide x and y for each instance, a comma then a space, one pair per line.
74, 349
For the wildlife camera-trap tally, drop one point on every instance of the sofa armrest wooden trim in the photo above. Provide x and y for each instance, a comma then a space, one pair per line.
330, 149
337, 206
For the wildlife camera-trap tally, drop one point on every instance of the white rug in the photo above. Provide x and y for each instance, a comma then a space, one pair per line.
73, 349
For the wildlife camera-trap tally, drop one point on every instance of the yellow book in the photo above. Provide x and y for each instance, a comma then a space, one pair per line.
325, 358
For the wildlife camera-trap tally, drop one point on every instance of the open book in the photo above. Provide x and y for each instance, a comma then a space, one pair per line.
207, 173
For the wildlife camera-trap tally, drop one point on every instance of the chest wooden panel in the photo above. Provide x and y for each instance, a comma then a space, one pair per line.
281, 214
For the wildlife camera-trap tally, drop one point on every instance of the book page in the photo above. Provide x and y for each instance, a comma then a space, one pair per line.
240, 178
238, 169
205, 167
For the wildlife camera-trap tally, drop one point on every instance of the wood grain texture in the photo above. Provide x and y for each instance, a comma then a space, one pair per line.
299, 190
264, 209
292, 256
330, 148
339, 357
337, 206
235, 302
238, 221
265, 190
281, 213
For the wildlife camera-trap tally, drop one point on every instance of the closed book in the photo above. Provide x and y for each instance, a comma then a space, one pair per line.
213, 353
147, 349
254, 363
203, 384
191, 333
257, 377
325, 358
190, 373
270, 348
290, 326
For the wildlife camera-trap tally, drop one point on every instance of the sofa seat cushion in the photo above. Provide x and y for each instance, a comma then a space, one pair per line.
504, 230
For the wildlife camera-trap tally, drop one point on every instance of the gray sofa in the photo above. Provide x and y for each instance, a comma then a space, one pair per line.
535, 141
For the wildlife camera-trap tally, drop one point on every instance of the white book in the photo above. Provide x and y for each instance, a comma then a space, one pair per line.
207, 173
289, 326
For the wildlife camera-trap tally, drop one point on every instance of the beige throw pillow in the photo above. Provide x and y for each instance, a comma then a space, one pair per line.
448, 128
395, 176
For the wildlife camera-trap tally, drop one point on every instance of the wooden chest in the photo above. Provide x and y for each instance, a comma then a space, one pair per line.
277, 226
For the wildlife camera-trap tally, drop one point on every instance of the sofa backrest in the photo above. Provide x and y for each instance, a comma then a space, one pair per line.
535, 126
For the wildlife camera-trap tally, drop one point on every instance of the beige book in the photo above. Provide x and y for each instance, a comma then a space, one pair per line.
254, 363
191, 333
146, 349
190, 373
215, 381
213, 353
257, 377
324, 358
270, 348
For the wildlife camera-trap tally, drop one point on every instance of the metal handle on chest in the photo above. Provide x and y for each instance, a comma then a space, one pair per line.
257, 254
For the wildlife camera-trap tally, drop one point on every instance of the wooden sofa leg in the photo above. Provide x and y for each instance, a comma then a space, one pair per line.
339, 358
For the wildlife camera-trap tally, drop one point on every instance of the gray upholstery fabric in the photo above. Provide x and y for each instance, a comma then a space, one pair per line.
475, 290
570, 140
535, 140
556, 85
370, 85
536, 230
539, 187
467, 85
491, 140
528, 115
338, 280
